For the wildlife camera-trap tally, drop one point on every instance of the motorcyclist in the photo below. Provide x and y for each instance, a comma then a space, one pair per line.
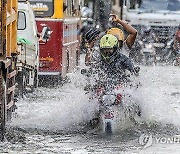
122, 44
147, 35
107, 61
112, 60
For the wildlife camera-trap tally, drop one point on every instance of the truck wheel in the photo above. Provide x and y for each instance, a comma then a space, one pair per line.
35, 79
22, 83
2, 105
68, 64
33, 84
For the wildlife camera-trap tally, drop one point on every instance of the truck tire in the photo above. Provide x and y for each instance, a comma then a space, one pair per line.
35, 79
68, 63
22, 82
2, 105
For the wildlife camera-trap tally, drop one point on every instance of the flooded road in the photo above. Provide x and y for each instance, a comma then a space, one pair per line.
55, 120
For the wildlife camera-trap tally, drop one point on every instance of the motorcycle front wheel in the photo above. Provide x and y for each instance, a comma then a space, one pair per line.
108, 128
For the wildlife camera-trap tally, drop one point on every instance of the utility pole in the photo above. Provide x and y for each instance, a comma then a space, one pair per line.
121, 6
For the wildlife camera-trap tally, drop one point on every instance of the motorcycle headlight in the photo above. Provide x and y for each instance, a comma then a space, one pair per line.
108, 99
168, 46
148, 46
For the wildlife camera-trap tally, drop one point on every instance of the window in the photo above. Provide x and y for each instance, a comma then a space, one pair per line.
21, 20
171, 5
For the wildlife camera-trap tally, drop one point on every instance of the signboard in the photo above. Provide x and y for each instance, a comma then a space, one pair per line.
42, 8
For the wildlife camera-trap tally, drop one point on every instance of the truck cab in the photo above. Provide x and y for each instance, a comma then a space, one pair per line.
161, 15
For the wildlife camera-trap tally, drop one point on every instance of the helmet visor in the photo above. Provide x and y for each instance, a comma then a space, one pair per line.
107, 52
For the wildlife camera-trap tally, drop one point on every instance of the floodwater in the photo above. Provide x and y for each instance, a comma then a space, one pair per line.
55, 120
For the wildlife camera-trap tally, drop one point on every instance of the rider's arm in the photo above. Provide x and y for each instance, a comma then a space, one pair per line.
132, 31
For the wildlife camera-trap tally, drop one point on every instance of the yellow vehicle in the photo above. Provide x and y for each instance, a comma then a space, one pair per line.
8, 55
59, 55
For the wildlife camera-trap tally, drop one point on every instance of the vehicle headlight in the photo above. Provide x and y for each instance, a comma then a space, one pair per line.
148, 46
108, 99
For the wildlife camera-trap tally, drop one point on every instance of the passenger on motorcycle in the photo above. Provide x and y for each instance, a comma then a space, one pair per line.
132, 33
92, 41
87, 25
125, 43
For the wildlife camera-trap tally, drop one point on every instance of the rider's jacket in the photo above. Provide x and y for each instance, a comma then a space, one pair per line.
115, 69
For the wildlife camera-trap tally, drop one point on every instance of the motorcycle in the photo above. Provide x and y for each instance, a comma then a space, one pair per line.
108, 111
169, 55
172, 54
109, 101
111, 96
114, 106
160, 51
148, 52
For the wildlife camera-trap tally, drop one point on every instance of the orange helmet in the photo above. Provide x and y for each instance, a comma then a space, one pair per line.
116, 32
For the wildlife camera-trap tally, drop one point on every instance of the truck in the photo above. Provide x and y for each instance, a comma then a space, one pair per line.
8, 57
19, 55
161, 15
28, 48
